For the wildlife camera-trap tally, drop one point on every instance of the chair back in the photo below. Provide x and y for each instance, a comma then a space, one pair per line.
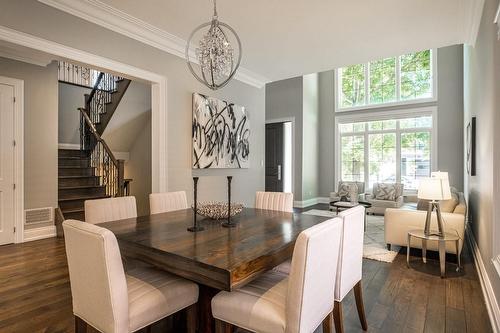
351, 251
279, 201
312, 276
105, 210
360, 185
98, 282
167, 202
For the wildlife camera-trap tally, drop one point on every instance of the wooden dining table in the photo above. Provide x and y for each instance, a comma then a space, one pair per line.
217, 258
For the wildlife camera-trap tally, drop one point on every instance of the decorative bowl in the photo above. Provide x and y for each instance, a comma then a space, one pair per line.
218, 210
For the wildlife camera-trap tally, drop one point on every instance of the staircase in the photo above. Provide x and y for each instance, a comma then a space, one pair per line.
92, 172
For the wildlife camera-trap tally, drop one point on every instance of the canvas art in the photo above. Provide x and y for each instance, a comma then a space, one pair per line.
221, 134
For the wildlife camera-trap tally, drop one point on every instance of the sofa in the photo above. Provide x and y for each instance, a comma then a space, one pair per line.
399, 221
343, 188
383, 196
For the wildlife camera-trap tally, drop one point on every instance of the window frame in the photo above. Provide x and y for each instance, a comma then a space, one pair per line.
386, 115
434, 88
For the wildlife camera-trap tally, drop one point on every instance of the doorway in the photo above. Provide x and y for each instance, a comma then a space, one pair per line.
279, 157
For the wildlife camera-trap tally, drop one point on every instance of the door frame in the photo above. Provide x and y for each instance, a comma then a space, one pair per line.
18, 155
287, 120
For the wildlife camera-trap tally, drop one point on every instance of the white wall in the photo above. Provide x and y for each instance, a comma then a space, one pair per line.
33, 18
310, 147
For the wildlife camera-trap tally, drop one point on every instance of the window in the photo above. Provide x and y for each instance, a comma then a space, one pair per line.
396, 80
390, 150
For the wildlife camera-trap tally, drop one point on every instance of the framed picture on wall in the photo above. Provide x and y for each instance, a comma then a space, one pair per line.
471, 147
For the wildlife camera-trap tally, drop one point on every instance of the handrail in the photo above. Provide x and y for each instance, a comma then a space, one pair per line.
96, 86
93, 130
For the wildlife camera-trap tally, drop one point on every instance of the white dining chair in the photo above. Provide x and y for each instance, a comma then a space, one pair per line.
279, 201
111, 301
167, 202
110, 209
295, 303
350, 265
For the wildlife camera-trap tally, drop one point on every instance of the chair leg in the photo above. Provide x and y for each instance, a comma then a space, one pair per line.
80, 325
327, 323
358, 294
222, 327
337, 317
191, 318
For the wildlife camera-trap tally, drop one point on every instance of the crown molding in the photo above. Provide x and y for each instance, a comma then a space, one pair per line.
497, 21
472, 11
118, 21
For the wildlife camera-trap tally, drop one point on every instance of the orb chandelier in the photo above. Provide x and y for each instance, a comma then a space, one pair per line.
214, 53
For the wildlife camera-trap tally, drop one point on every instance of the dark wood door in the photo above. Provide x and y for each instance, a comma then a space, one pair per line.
274, 157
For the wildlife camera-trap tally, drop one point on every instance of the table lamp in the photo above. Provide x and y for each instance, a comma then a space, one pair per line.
435, 188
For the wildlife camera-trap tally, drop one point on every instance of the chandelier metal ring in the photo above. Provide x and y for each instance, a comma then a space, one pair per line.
214, 54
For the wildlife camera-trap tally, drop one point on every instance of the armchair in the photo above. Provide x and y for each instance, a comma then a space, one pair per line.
342, 190
383, 196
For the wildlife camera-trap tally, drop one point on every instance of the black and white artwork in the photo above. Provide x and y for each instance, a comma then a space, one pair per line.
221, 134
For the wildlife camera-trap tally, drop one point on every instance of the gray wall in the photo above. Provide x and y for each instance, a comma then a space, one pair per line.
481, 95
450, 119
310, 147
70, 99
32, 17
40, 130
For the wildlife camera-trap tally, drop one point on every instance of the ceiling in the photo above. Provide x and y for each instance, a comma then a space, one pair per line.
282, 39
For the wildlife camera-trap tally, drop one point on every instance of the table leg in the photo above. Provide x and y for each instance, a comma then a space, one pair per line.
205, 319
424, 251
458, 254
442, 257
408, 251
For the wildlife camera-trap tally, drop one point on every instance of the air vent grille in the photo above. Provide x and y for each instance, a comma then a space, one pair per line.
38, 215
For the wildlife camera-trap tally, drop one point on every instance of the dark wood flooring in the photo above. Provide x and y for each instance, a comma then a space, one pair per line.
35, 294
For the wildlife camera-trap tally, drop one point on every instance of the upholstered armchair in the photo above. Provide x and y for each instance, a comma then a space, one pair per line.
385, 195
343, 190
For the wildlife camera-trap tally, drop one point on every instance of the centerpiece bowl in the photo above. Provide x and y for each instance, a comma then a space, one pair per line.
218, 210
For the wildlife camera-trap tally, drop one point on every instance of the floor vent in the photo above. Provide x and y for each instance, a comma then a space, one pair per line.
38, 215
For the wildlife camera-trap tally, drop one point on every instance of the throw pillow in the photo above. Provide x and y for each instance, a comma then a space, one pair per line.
386, 192
346, 189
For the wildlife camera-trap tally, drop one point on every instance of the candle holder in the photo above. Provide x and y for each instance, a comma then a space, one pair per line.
228, 223
195, 226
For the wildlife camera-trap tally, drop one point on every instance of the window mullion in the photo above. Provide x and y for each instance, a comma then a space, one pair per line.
398, 153
367, 80
398, 78
366, 154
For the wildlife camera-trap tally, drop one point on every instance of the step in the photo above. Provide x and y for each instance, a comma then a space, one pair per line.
78, 202
72, 153
67, 192
76, 171
74, 214
74, 161
67, 181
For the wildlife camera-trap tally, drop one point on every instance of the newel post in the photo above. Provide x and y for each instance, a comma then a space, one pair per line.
121, 178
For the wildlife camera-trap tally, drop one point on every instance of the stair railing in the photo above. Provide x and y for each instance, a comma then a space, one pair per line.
100, 96
109, 170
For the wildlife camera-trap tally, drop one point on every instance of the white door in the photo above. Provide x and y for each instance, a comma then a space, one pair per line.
6, 164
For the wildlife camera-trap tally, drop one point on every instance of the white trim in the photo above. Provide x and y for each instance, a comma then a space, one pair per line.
118, 21
8, 55
286, 120
384, 115
119, 155
497, 21
39, 233
18, 155
434, 89
487, 288
159, 92
311, 202
496, 263
472, 12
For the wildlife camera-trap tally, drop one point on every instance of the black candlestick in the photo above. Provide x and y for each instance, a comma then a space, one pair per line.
228, 223
195, 226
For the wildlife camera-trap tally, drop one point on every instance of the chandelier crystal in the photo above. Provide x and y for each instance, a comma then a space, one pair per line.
214, 53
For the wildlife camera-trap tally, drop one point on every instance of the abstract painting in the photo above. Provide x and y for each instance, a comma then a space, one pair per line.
221, 134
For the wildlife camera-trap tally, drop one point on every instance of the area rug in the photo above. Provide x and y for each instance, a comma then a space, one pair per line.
374, 242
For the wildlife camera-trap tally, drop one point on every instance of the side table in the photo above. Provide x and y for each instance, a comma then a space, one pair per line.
447, 237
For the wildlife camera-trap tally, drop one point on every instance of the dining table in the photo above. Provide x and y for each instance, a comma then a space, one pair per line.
216, 258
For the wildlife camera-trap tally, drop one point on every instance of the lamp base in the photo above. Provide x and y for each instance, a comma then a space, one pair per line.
195, 228
427, 230
227, 224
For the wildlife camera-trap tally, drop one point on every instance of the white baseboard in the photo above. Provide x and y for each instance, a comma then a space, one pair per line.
119, 155
489, 295
39, 233
310, 202
72, 146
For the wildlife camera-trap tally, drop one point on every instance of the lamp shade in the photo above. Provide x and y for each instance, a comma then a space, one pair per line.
436, 187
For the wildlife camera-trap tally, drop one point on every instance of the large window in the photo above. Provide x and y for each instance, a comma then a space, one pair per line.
391, 150
403, 79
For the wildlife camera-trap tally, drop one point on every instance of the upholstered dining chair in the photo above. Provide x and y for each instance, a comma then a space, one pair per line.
350, 265
167, 202
110, 300
295, 303
105, 210
279, 201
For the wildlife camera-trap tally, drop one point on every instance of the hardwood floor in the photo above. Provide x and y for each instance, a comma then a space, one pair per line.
35, 294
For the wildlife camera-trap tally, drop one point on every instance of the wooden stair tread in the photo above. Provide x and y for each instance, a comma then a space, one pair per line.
74, 158
85, 197
80, 187
75, 167
72, 210
79, 176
